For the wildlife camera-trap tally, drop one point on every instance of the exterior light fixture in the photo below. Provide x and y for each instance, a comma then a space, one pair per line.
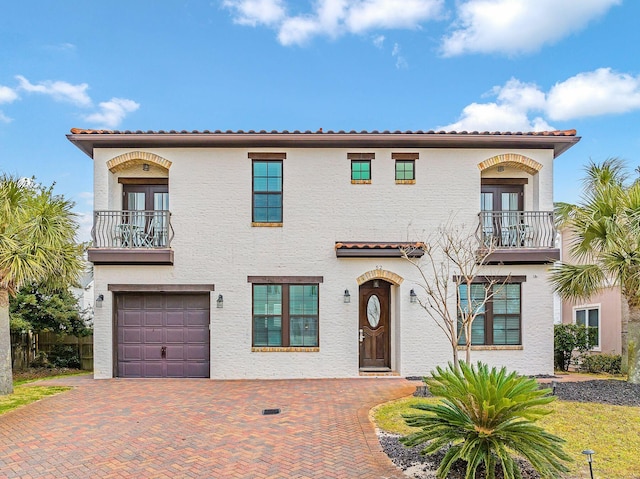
347, 296
220, 301
589, 453
413, 297
99, 300
145, 167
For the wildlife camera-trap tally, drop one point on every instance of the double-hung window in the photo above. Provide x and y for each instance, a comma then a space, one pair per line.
499, 321
285, 311
267, 188
589, 317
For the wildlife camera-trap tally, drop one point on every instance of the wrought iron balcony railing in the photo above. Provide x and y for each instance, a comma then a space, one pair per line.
132, 229
516, 229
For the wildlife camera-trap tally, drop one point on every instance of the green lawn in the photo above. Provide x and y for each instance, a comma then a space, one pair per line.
25, 393
612, 431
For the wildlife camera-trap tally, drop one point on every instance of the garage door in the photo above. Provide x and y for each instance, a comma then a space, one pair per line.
162, 335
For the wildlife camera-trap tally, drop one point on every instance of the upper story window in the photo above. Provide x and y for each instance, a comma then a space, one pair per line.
499, 320
360, 167
405, 167
589, 317
267, 188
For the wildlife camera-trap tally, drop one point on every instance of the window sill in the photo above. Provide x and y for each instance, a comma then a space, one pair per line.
266, 225
270, 349
515, 347
405, 182
360, 182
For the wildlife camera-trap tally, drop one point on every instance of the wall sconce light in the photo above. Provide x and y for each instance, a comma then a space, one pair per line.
99, 300
589, 453
145, 166
220, 301
347, 296
413, 297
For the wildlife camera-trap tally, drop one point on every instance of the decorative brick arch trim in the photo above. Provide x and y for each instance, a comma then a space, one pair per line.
134, 158
380, 274
514, 160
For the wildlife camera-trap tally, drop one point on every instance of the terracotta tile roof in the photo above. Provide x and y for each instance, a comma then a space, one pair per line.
378, 249
87, 140
82, 131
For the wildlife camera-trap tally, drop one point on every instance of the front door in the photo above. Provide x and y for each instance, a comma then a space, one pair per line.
375, 335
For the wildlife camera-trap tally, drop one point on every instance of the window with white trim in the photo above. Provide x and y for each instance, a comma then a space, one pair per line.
589, 317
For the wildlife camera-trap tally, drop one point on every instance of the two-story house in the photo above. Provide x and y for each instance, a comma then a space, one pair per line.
276, 254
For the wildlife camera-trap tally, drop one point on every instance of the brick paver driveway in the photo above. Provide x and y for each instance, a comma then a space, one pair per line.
200, 429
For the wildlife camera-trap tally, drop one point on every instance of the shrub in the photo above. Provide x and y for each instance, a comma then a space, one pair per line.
485, 417
601, 363
64, 356
568, 338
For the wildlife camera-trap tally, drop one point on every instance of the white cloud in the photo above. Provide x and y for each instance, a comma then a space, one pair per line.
86, 197
517, 26
4, 118
85, 224
58, 90
599, 92
523, 106
401, 62
333, 18
256, 12
7, 95
390, 14
112, 112
378, 41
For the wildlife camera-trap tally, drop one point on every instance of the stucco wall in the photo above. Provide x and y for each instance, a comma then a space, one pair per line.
210, 203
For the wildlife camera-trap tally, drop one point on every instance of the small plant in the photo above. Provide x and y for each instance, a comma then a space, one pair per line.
568, 338
601, 363
64, 356
485, 417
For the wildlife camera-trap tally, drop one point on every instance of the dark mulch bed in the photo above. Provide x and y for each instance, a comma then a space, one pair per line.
31, 374
607, 391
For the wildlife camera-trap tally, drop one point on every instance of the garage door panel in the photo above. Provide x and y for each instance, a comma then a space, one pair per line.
174, 335
153, 301
175, 318
197, 318
153, 335
197, 352
147, 323
132, 318
153, 318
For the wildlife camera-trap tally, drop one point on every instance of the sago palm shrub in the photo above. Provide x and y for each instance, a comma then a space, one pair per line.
487, 416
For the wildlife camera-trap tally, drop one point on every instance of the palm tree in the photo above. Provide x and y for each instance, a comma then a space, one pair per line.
37, 231
606, 228
486, 417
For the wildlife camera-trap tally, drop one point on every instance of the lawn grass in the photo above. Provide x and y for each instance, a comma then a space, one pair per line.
612, 431
23, 395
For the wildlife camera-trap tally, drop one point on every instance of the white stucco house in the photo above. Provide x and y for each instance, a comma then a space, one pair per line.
276, 254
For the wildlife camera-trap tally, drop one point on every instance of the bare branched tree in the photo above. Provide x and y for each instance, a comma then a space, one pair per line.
450, 273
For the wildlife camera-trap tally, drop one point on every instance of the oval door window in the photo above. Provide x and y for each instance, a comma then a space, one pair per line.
373, 310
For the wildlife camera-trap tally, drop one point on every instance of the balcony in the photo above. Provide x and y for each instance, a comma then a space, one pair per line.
518, 237
131, 237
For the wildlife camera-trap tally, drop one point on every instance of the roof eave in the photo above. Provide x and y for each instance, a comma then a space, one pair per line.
87, 142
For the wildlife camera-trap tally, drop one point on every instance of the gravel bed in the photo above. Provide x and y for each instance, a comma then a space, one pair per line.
418, 466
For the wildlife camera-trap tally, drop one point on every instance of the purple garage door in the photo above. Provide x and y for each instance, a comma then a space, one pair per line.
162, 335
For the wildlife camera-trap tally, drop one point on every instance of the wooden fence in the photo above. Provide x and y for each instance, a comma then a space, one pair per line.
25, 348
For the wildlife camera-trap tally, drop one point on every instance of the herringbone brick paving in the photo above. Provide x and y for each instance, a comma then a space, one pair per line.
172, 429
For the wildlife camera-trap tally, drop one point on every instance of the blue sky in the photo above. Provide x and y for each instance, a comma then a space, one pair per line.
499, 65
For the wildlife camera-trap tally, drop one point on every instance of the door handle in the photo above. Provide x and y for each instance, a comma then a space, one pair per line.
361, 335
163, 352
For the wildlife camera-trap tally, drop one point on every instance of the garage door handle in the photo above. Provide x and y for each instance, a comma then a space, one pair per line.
163, 352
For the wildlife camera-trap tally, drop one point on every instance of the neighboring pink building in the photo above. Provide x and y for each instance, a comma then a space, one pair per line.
602, 310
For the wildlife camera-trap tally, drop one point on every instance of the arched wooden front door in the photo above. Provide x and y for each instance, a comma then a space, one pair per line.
374, 323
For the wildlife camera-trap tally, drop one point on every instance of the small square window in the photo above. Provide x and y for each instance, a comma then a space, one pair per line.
405, 170
361, 170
